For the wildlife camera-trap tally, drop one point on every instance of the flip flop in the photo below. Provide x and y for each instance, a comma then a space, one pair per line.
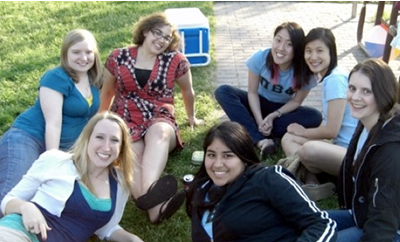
160, 191
170, 207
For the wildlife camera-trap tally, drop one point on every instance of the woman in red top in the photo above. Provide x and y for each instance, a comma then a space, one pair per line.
139, 83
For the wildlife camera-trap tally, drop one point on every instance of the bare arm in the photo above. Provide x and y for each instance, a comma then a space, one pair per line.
336, 110
185, 84
108, 91
291, 105
16, 206
32, 219
122, 235
51, 103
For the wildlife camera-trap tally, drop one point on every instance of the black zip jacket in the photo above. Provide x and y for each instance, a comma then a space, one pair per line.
374, 196
264, 204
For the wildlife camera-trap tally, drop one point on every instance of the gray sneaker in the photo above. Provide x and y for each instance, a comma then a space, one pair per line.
318, 192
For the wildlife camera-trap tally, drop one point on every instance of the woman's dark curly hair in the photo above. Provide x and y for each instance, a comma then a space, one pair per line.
151, 21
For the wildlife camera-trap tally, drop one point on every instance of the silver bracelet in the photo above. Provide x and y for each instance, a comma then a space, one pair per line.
279, 113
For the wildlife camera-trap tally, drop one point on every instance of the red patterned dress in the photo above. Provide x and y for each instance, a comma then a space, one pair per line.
142, 107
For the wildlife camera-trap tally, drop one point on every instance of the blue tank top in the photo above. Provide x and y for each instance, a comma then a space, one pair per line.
78, 221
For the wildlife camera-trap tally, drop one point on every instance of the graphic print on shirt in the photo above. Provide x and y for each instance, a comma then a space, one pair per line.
276, 88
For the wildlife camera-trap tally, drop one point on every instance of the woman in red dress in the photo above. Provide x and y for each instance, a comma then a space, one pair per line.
139, 84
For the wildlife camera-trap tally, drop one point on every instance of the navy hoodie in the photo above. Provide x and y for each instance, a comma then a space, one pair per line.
263, 204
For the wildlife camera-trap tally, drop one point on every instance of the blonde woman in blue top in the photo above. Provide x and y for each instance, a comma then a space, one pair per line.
68, 98
311, 145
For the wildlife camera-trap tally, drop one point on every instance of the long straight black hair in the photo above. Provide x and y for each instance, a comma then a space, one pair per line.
326, 36
296, 33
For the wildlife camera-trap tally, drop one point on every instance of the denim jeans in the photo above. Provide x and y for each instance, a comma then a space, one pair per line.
347, 229
235, 103
18, 150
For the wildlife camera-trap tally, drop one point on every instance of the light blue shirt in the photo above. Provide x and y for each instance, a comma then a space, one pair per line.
206, 224
282, 92
360, 143
334, 86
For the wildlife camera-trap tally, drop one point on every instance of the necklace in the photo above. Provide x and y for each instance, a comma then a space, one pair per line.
211, 214
106, 180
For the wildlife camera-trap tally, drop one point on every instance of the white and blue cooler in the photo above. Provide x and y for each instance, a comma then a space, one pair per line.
194, 29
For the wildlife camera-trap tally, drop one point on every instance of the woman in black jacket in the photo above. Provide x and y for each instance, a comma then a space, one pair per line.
233, 198
369, 180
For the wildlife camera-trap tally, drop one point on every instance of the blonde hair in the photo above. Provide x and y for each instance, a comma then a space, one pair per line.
76, 36
126, 159
151, 21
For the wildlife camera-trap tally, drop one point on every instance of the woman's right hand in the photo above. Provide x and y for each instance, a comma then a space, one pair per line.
34, 220
265, 129
193, 121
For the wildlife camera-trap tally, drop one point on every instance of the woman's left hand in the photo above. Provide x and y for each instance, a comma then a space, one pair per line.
195, 122
267, 124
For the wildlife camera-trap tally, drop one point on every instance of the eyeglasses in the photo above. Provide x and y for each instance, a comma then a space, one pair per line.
158, 34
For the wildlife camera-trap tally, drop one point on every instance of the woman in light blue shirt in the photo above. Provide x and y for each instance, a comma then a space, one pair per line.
321, 149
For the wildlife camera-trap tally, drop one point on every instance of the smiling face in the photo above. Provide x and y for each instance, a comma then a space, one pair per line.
282, 49
81, 56
158, 39
222, 165
362, 100
317, 57
104, 144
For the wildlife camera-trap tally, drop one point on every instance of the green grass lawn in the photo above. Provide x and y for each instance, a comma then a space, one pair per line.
31, 34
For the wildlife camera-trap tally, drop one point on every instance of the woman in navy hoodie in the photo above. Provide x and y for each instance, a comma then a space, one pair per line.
233, 198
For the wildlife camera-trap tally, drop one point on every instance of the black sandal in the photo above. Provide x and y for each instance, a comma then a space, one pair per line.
269, 150
160, 191
171, 206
